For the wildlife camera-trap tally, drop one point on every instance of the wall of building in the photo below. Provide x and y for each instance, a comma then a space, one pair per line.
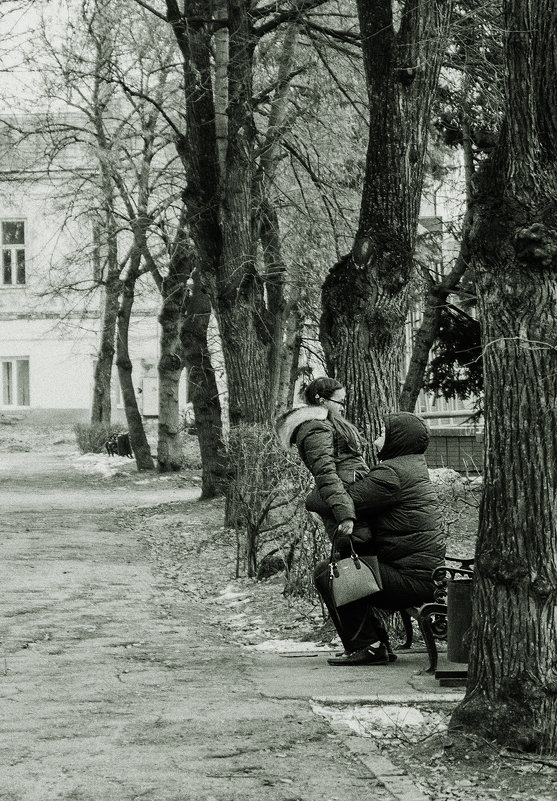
459, 448
56, 330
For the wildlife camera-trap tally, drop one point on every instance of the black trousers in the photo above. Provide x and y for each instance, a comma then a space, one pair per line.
356, 623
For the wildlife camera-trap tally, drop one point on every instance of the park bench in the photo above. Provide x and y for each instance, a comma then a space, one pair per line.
452, 588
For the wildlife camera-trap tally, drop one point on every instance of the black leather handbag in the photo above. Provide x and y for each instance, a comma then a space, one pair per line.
353, 578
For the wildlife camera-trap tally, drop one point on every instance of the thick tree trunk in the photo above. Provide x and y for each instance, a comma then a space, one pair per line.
138, 440
170, 456
203, 391
512, 693
365, 297
220, 203
512, 686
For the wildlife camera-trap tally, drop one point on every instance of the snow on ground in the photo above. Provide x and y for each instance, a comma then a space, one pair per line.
290, 646
446, 476
386, 721
102, 464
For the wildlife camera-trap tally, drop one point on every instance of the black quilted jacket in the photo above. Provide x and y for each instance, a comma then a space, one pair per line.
399, 501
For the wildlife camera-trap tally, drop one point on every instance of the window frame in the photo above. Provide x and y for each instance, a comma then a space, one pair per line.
14, 387
17, 262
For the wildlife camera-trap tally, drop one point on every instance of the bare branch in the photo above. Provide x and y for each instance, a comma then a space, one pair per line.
280, 17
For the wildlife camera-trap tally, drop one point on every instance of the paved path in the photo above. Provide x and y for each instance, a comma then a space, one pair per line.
112, 686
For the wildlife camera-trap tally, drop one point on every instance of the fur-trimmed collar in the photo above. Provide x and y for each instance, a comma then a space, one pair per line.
287, 423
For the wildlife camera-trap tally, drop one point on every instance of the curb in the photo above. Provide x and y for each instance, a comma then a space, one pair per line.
401, 785
402, 698
395, 780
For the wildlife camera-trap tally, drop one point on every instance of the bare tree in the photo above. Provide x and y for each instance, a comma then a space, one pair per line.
220, 155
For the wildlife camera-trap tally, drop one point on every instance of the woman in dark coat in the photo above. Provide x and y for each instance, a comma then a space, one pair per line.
331, 449
398, 500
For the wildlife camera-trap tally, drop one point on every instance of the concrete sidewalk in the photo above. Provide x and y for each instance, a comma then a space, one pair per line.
113, 686
311, 678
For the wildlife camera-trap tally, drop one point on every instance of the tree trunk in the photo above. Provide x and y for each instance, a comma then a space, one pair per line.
435, 298
290, 358
275, 273
138, 440
203, 391
365, 297
512, 686
220, 202
170, 456
101, 408
421, 347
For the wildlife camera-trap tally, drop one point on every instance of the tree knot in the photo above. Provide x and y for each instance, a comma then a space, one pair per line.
536, 246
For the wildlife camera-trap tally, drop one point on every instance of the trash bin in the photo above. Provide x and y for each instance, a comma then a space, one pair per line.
459, 619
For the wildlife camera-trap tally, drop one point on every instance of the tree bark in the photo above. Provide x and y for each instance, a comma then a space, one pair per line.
203, 391
174, 289
220, 202
435, 298
138, 439
512, 686
365, 297
101, 408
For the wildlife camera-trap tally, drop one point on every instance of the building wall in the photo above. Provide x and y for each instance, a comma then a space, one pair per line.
57, 332
459, 449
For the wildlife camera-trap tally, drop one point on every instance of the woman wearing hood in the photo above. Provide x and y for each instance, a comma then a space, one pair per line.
399, 502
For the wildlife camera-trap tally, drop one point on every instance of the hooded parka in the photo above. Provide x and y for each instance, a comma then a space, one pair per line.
398, 501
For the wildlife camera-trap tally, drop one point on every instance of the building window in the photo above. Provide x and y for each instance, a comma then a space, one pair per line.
14, 380
13, 253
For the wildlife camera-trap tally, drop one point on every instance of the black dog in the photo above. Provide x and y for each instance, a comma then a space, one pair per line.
119, 445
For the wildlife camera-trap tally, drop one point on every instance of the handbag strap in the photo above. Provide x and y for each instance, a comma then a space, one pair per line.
333, 570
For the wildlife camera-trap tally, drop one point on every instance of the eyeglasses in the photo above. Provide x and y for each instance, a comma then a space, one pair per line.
340, 403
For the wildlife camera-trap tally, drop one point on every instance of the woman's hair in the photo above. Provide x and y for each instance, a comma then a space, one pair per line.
323, 388
320, 388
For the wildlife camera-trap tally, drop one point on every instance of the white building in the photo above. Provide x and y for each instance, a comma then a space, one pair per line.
49, 332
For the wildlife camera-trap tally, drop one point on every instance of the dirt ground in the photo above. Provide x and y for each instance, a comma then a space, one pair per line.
134, 665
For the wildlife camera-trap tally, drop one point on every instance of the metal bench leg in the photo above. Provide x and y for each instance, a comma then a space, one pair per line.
406, 618
425, 627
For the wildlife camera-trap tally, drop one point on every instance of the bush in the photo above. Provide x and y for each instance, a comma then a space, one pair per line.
92, 438
266, 502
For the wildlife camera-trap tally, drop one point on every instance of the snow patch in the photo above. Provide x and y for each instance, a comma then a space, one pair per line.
383, 721
100, 464
290, 646
444, 475
231, 594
